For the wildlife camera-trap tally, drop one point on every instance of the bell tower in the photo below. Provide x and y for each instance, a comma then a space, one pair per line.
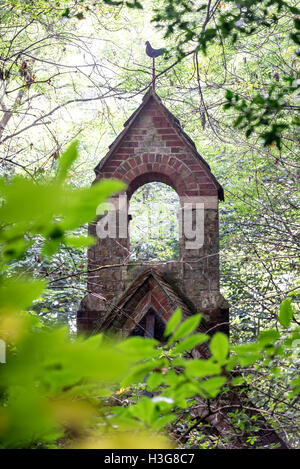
127, 297
130, 298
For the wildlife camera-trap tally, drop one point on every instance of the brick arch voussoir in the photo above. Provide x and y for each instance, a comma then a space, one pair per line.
138, 170
153, 173
159, 171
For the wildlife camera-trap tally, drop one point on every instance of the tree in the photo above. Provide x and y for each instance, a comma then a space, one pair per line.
228, 79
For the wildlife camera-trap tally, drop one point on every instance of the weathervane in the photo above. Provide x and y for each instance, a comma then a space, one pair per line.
153, 53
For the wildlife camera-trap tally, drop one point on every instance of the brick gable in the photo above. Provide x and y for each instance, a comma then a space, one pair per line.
153, 146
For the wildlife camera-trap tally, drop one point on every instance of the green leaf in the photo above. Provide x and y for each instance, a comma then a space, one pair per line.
268, 337
154, 380
145, 410
139, 373
66, 13
258, 99
219, 346
163, 421
212, 386
188, 326
66, 160
248, 353
173, 322
229, 95
139, 348
295, 385
50, 248
112, 2
201, 368
80, 241
237, 381
294, 10
297, 23
16, 295
190, 343
135, 4
231, 363
285, 313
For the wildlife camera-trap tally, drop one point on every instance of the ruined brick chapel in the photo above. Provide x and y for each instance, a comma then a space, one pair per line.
154, 147
129, 298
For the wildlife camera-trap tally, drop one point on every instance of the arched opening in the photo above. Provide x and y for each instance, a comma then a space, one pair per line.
154, 225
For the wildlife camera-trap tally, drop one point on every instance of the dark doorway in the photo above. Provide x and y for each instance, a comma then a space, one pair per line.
150, 326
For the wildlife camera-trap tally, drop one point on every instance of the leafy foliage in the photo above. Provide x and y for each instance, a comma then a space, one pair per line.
49, 210
53, 387
78, 68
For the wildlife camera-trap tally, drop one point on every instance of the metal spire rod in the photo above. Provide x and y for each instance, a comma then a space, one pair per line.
153, 74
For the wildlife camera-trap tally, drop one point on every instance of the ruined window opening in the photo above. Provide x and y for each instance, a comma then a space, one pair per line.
154, 226
150, 326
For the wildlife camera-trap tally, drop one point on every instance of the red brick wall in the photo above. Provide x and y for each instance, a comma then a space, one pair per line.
152, 149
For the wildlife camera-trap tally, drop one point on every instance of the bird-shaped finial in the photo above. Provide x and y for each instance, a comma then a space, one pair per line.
153, 52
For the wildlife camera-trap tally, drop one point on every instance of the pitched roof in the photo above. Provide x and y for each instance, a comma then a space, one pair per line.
176, 124
173, 298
